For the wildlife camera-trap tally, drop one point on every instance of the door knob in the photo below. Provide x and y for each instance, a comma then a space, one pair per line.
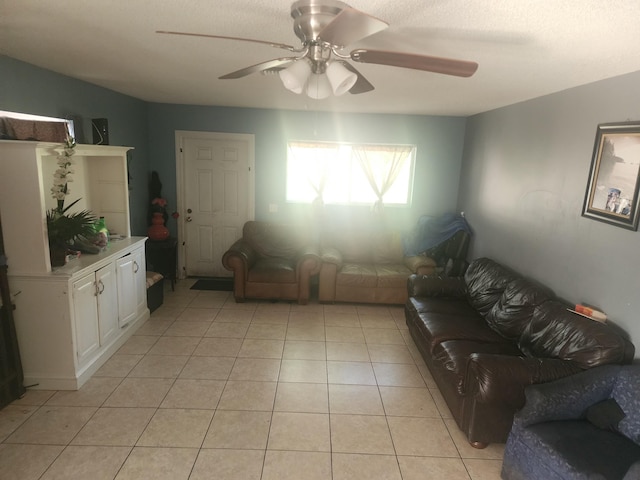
189, 219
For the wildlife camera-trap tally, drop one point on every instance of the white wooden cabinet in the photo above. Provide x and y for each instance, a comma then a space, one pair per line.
70, 319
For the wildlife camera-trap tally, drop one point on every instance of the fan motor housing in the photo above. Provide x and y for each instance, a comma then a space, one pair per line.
311, 16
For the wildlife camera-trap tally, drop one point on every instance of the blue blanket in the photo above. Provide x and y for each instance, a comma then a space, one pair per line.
432, 231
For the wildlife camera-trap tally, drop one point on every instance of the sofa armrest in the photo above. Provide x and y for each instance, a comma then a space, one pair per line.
420, 264
432, 286
239, 256
567, 398
331, 255
503, 378
308, 260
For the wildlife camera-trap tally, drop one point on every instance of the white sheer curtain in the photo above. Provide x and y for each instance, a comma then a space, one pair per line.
317, 168
381, 165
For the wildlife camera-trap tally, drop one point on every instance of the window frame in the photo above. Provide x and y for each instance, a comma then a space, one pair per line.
354, 161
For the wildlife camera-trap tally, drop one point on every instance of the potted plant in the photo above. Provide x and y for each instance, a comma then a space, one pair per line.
63, 227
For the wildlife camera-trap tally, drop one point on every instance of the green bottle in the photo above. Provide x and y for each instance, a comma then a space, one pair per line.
102, 233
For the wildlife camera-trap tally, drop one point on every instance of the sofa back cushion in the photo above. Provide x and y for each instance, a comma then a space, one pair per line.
365, 245
275, 240
511, 314
353, 244
555, 332
625, 393
486, 280
386, 247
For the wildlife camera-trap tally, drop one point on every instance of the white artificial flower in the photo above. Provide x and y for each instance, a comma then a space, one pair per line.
62, 176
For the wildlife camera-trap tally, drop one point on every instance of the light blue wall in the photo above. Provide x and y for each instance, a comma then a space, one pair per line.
150, 129
438, 139
522, 186
28, 89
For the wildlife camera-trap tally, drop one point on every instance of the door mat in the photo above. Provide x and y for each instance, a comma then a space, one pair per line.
220, 284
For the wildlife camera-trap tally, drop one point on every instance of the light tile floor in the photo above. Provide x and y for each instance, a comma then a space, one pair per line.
211, 389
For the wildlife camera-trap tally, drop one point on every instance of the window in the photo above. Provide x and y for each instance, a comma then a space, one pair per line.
350, 174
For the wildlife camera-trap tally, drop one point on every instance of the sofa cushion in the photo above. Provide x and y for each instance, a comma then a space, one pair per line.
578, 449
275, 240
392, 275
273, 270
625, 392
605, 414
486, 280
511, 315
354, 244
357, 275
460, 324
386, 248
555, 332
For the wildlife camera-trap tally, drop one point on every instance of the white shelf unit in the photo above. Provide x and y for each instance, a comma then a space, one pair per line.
69, 319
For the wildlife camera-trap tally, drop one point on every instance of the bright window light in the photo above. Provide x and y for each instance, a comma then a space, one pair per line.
335, 173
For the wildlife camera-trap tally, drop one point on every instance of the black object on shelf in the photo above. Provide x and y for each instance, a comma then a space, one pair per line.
100, 128
161, 257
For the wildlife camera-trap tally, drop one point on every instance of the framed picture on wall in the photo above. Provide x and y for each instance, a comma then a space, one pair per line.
614, 179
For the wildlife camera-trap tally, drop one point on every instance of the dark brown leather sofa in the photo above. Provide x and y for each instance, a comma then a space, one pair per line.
489, 334
272, 261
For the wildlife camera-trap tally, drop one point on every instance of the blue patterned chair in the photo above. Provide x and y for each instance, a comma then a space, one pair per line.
585, 426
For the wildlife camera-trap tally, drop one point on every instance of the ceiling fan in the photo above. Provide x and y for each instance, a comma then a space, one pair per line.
325, 28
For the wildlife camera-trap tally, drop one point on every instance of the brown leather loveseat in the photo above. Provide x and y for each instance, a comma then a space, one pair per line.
272, 261
489, 334
367, 266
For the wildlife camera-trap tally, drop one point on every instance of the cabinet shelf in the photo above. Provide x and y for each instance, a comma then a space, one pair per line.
100, 182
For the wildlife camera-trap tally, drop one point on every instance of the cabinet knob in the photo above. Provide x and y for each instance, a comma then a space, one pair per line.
136, 267
101, 289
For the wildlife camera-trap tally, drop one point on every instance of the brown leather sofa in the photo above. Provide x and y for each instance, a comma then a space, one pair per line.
272, 261
489, 334
366, 267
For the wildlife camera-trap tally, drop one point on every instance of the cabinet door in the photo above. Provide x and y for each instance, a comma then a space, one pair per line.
107, 303
127, 291
85, 309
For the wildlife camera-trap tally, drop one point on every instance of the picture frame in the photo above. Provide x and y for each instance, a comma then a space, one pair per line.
612, 194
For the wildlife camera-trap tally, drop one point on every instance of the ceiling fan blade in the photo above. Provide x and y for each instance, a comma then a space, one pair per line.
362, 85
447, 66
349, 26
271, 44
259, 67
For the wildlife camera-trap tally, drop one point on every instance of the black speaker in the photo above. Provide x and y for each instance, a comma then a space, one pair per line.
100, 128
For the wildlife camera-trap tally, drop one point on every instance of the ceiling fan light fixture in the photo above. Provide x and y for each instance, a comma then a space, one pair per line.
318, 86
340, 78
295, 76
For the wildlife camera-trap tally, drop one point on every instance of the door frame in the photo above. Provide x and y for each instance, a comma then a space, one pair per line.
180, 136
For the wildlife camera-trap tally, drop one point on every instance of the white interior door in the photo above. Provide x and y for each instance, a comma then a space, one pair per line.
216, 197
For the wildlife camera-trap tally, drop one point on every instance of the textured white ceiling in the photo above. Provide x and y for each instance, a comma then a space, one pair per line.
525, 48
